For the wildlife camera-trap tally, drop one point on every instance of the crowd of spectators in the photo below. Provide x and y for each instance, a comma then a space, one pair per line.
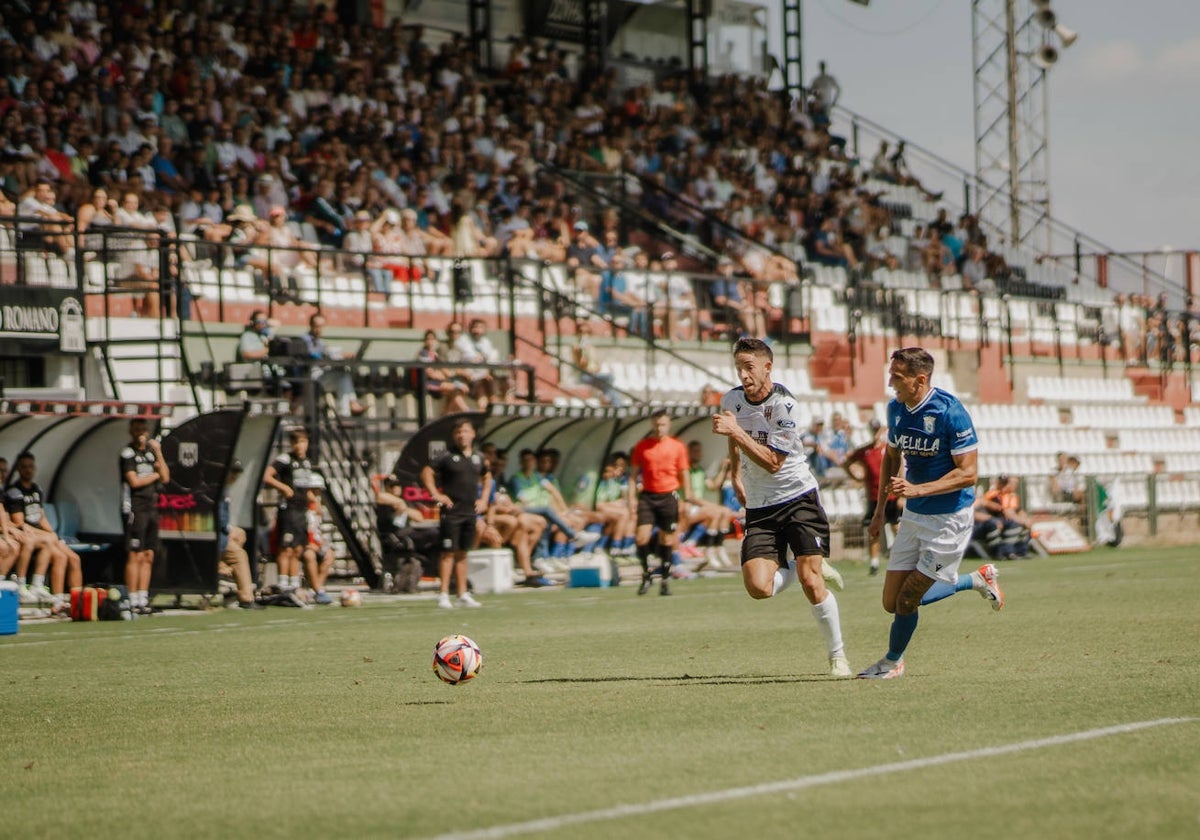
295, 130
229, 124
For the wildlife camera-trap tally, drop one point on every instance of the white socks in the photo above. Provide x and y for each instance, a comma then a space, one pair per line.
830, 622
784, 577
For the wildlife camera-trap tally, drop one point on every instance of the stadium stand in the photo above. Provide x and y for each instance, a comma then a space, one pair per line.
504, 196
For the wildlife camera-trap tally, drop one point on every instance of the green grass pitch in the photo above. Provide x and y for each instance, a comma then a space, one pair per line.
330, 722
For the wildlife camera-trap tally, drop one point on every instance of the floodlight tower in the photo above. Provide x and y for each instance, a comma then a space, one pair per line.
1012, 47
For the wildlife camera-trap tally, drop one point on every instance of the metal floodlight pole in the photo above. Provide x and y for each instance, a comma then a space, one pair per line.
793, 50
1011, 49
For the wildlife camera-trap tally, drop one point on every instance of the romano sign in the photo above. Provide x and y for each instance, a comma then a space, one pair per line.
42, 319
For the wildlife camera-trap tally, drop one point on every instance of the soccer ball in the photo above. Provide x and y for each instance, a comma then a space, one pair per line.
456, 659
351, 598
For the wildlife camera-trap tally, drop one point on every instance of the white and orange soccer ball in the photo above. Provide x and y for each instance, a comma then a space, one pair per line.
351, 598
456, 659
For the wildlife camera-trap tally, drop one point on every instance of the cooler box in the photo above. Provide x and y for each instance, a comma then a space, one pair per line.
590, 570
490, 569
8, 607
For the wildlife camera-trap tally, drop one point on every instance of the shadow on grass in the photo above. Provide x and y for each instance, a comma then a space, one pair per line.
426, 703
690, 679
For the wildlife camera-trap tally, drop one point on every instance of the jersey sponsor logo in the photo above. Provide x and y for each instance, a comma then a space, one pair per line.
920, 446
761, 437
965, 433
928, 421
786, 424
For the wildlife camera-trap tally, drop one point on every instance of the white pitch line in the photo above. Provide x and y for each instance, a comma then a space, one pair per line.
696, 799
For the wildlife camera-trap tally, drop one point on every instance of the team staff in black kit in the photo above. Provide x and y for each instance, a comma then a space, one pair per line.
459, 481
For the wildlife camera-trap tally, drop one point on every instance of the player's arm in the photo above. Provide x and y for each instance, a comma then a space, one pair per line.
556, 496
160, 463
685, 485
271, 479
769, 459
855, 459
735, 473
16, 515
715, 481
481, 504
888, 469
429, 482
137, 482
964, 474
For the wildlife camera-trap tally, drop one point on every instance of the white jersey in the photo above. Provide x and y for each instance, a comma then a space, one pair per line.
771, 423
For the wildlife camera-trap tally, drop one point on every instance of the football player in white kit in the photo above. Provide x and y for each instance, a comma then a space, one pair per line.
773, 482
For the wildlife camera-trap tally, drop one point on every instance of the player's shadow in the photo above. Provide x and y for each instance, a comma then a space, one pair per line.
693, 679
425, 703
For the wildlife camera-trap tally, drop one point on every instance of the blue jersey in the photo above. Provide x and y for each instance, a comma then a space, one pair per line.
929, 436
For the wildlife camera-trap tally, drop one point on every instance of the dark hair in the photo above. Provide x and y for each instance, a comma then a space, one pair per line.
916, 360
297, 433
660, 412
754, 346
460, 422
25, 453
527, 451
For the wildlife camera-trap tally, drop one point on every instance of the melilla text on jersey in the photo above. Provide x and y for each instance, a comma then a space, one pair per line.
919, 445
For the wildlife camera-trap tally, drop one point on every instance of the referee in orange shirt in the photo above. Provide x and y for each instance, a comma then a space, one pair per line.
660, 466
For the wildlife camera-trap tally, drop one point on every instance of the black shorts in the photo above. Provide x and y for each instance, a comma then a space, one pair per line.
891, 512
800, 525
660, 510
456, 533
291, 529
141, 531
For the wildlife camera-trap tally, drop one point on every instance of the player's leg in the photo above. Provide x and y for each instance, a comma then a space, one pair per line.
983, 580
765, 570
667, 518
940, 541
902, 561
460, 573
641, 538
9, 551
147, 564
42, 560
445, 569
825, 611
464, 538
74, 568
872, 544
807, 531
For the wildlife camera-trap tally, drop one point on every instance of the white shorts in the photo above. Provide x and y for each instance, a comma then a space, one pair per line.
932, 543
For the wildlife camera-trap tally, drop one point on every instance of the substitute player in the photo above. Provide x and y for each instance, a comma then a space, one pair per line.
934, 433
773, 482
660, 465
465, 485
142, 470
291, 474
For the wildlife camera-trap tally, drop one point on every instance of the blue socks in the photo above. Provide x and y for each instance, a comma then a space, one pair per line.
941, 589
903, 627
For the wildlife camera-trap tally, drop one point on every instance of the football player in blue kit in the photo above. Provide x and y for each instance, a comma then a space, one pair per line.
934, 433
